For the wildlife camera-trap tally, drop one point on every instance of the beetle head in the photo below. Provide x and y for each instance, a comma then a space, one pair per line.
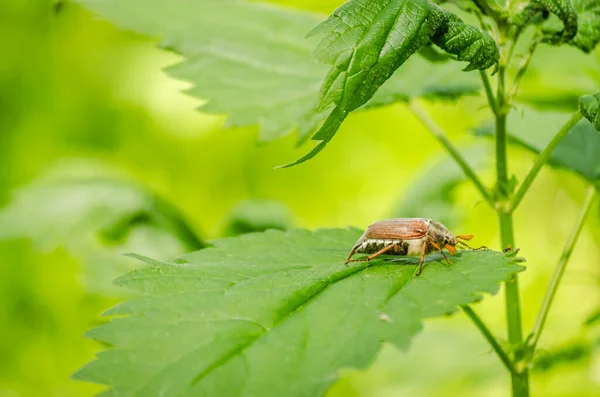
441, 234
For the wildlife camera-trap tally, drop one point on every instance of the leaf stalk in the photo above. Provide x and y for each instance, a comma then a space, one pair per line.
543, 159
441, 136
490, 338
489, 92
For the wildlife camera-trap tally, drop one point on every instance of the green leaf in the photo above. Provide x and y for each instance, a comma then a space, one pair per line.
275, 314
589, 106
579, 151
96, 217
567, 14
431, 195
367, 40
468, 43
588, 33
580, 21
248, 60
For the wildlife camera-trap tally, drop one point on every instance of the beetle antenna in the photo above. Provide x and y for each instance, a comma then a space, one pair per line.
465, 237
474, 249
465, 244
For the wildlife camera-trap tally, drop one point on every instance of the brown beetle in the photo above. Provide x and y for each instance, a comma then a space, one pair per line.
406, 236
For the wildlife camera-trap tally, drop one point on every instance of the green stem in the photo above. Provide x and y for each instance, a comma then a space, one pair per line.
560, 268
543, 159
489, 337
501, 163
520, 379
488, 92
443, 139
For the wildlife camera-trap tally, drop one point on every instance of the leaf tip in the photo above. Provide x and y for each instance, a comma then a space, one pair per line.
320, 146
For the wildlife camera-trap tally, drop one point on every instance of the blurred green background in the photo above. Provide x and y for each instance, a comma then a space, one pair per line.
101, 154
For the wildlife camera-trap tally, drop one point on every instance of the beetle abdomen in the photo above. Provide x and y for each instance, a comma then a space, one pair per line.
371, 246
405, 247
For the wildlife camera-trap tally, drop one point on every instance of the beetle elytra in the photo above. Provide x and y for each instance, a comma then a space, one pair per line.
406, 236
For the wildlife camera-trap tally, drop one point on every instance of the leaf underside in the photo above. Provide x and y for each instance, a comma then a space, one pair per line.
275, 313
366, 41
252, 62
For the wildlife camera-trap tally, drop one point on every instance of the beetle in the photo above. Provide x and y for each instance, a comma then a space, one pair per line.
406, 236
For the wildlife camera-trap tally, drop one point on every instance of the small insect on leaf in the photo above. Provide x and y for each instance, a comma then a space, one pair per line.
407, 236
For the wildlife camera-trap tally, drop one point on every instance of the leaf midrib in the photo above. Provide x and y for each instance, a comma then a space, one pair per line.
334, 278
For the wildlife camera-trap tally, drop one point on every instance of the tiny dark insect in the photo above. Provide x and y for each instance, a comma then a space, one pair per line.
407, 236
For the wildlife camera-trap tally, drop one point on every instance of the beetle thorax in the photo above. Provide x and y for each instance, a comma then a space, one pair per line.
440, 234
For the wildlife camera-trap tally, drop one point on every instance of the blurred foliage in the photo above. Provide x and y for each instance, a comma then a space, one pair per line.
75, 87
96, 216
257, 216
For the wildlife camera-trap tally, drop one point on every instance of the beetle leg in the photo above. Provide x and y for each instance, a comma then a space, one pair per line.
351, 253
439, 249
357, 245
375, 255
381, 251
423, 249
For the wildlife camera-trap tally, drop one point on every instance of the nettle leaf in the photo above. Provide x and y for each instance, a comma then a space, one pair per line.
579, 21
248, 60
588, 33
565, 11
367, 40
468, 43
275, 314
579, 151
537, 11
96, 218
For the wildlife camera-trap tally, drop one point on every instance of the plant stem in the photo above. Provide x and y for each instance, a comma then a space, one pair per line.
443, 139
520, 380
488, 92
560, 268
543, 159
489, 337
